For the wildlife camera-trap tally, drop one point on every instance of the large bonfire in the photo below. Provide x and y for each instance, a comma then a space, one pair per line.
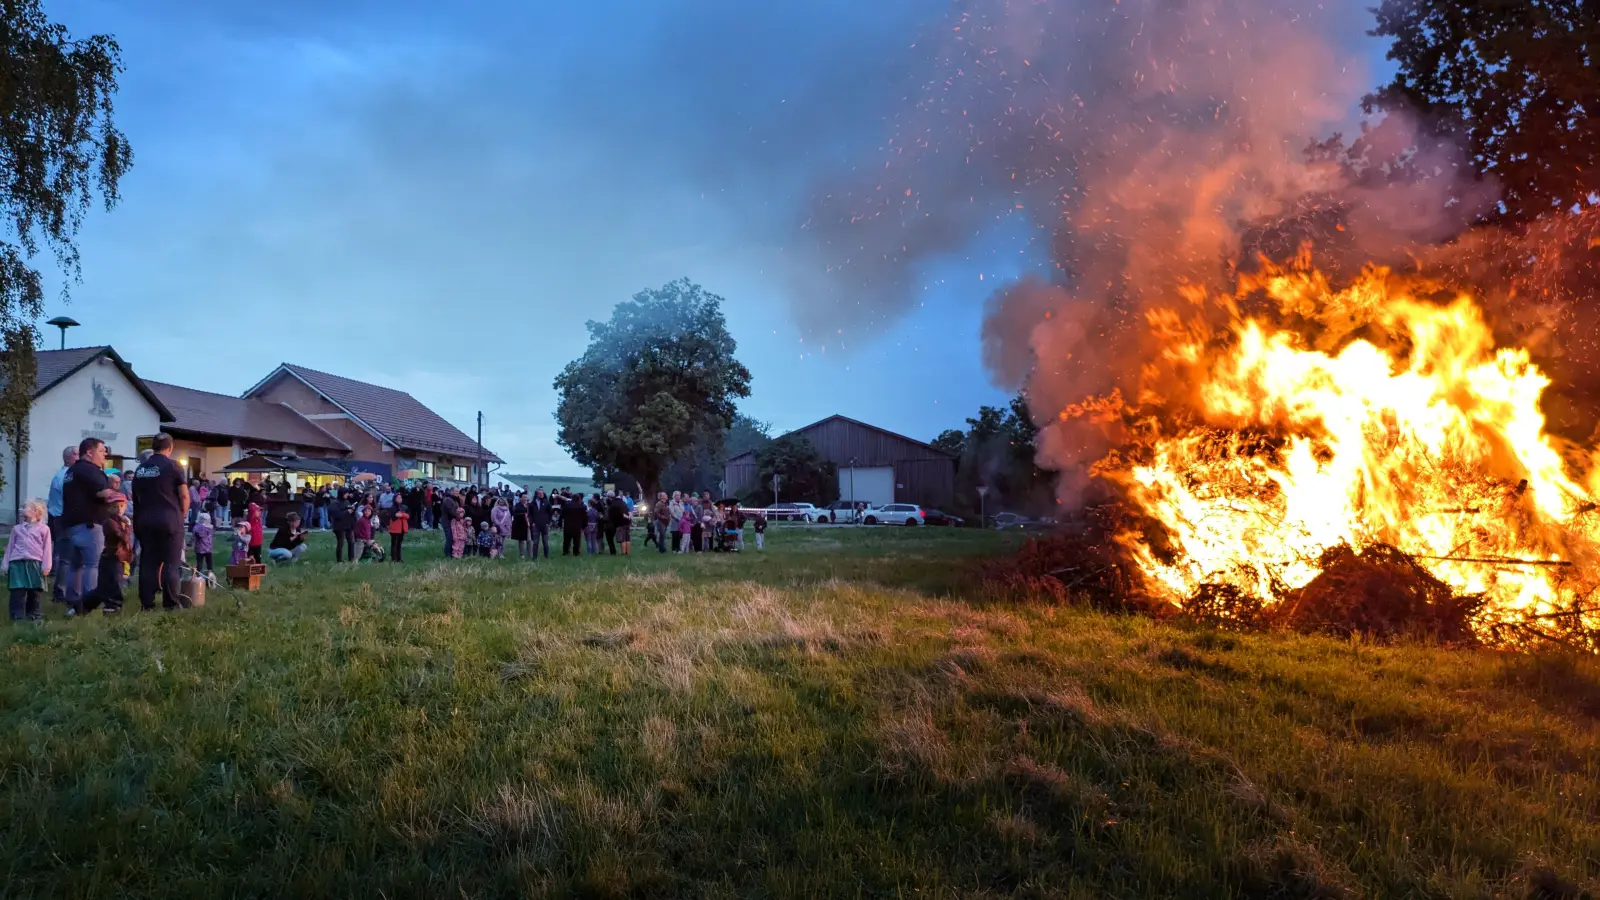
1290, 424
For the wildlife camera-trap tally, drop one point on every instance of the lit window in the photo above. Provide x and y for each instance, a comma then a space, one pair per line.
458, 473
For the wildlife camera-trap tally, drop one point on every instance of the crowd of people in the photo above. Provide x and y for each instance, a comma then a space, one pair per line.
96, 528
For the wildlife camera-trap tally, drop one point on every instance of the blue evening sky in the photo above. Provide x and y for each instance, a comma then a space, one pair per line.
435, 197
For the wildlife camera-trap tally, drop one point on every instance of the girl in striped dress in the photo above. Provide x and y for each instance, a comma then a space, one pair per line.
27, 561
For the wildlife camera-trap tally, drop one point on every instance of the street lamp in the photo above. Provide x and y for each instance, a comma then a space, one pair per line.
854, 519
983, 518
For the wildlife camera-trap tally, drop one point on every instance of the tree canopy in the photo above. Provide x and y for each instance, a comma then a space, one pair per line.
657, 376
701, 466
803, 475
59, 149
1516, 83
997, 452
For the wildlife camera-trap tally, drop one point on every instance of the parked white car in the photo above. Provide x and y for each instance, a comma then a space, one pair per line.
894, 514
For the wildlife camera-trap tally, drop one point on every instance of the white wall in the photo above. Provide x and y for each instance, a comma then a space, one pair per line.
64, 416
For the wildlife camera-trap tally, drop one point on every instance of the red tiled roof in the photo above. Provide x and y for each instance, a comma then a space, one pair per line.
396, 415
202, 412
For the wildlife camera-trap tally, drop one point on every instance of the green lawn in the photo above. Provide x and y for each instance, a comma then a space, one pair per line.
838, 716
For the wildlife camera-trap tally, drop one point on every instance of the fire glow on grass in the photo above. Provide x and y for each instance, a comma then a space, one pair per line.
1316, 417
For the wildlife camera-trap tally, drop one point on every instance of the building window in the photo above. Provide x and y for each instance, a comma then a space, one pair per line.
425, 467
458, 473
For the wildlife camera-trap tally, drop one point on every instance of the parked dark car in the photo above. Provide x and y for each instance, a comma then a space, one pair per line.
1009, 520
940, 517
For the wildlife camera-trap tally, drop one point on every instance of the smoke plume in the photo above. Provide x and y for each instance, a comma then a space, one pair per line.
1154, 146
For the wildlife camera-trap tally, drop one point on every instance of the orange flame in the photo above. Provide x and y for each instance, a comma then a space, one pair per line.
1317, 417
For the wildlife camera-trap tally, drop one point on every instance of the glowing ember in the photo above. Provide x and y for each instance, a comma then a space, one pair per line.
1312, 418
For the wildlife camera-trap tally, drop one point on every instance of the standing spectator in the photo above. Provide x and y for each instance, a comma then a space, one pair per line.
258, 528
385, 505
399, 524
539, 514
616, 519
223, 497
342, 517
324, 499
761, 531
460, 534
572, 522
429, 513
500, 518
160, 509
116, 561
86, 497
203, 535
591, 525
662, 514
519, 525
28, 558
414, 505
449, 506
57, 531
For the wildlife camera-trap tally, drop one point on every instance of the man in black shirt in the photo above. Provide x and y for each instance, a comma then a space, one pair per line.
85, 498
160, 507
573, 518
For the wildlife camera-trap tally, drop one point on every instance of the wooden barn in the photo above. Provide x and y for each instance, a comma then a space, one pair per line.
875, 465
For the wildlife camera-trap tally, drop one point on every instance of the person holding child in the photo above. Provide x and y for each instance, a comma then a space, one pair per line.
29, 555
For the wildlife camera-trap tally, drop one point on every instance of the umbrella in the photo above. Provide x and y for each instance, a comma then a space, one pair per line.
365, 476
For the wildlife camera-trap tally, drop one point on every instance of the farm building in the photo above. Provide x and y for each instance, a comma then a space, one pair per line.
875, 465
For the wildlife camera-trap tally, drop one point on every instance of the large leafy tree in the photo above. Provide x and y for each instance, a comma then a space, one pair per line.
803, 475
997, 452
700, 468
59, 150
656, 376
1515, 82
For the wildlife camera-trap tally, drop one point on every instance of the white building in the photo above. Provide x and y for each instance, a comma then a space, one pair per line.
79, 393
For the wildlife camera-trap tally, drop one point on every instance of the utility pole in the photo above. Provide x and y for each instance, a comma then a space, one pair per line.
854, 519
774, 488
477, 475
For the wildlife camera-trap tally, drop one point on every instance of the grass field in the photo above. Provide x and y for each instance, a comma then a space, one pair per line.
838, 716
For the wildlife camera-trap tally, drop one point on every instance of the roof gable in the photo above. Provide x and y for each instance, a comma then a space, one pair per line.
219, 414
395, 416
55, 366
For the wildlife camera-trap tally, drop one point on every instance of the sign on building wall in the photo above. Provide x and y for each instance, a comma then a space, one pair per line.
101, 409
354, 467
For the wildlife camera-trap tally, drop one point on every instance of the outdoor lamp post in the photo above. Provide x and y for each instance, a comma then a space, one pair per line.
983, 518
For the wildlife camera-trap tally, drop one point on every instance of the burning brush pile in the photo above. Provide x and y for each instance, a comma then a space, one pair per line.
1358, 458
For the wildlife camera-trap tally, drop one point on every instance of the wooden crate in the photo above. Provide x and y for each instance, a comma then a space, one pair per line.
246, 576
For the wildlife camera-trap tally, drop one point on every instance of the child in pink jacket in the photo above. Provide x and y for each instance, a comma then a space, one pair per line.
27, 562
